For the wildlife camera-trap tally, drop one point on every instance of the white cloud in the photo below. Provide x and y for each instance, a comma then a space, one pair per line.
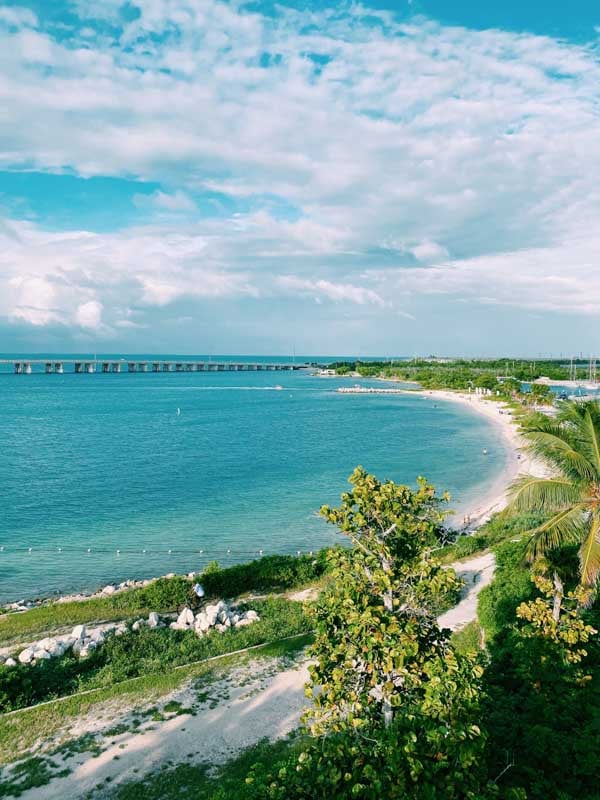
338, 292
89, 315
473, 152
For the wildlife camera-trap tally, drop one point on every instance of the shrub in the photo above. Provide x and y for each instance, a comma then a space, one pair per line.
264, 574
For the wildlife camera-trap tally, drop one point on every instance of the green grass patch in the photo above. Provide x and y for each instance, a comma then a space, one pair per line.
500, 528
468, 639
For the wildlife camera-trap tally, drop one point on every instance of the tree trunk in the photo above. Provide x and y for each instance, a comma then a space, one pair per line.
558, 598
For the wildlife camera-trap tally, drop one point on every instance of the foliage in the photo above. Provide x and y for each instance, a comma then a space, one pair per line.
499, 528
511, 586
143, 652
542, 701
557, 618
395, 714
268, 573
570, 446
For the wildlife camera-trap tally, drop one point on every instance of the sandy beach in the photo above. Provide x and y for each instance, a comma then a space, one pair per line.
519, 462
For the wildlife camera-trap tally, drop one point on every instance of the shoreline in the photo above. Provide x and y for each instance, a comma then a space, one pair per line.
518, 462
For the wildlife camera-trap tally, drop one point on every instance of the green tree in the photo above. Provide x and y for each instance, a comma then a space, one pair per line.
570, 445
394, 706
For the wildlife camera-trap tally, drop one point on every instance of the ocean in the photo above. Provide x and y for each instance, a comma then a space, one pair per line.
106, 477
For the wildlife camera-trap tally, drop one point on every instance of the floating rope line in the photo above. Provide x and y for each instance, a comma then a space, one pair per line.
22, 550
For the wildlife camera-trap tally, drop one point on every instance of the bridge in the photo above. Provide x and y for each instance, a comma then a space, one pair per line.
90, 366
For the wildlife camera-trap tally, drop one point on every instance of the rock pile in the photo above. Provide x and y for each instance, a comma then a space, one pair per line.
220, 617
78, 641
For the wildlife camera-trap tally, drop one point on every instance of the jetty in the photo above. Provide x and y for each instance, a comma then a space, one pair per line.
90, 366
369, 390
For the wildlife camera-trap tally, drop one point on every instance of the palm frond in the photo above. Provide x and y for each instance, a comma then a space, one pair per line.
590, 445
560, 453
530, 493
589, 554
568, 526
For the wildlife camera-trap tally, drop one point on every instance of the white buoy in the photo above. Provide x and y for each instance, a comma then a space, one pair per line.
30, 549
89, 549
178, 411
169, 552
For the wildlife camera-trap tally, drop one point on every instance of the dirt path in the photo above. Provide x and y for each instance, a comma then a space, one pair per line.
477, 573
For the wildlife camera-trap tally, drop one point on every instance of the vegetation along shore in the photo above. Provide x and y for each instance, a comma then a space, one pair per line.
435, 668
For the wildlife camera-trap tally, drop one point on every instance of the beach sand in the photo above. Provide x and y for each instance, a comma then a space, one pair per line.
519, 462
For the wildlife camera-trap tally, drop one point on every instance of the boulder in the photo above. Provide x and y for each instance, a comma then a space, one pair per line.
97, 636
78, 632
243, 622
10, 662
139, 623
120, 629
202, 622
26, 656
251, 615
186, 618
212, 612
108, 590
220, 628
52, 646
39, 654
153, 620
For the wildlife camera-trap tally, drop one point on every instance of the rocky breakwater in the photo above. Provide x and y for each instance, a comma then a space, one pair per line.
219, 617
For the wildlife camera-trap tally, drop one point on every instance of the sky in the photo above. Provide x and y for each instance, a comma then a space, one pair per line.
378, 178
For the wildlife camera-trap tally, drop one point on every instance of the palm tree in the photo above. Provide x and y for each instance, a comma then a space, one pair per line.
570, 445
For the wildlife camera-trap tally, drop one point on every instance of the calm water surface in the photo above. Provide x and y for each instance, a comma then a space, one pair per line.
105, 462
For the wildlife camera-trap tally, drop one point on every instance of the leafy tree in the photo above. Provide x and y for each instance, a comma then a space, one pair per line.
394, 706
542, 706
570, 446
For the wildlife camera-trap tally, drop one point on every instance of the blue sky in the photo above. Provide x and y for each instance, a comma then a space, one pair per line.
375, 178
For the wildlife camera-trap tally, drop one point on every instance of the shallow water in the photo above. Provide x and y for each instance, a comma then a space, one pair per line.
104, 462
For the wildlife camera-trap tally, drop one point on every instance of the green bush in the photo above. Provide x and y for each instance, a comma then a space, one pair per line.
264, 574
165, 594
511, 586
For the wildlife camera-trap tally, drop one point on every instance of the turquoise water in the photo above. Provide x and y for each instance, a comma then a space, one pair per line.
105, 462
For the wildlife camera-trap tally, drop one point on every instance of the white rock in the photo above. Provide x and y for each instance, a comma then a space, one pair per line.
227, 622
251, 615
97, 636
10, 662
220, 628
78, 632
243, 622
153, 619
26, 656
170, 575
108, 590
186, 618
176, 626
139, 623
41, 655
120, 629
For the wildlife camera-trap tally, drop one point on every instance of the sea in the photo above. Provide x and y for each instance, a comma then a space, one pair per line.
107, 477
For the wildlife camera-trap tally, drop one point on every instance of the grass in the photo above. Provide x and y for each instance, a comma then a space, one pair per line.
468, 639
499, 529
142, 653
22, 731
267, 574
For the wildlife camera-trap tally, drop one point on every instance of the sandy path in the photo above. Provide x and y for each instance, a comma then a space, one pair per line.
254, 703
477, 573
